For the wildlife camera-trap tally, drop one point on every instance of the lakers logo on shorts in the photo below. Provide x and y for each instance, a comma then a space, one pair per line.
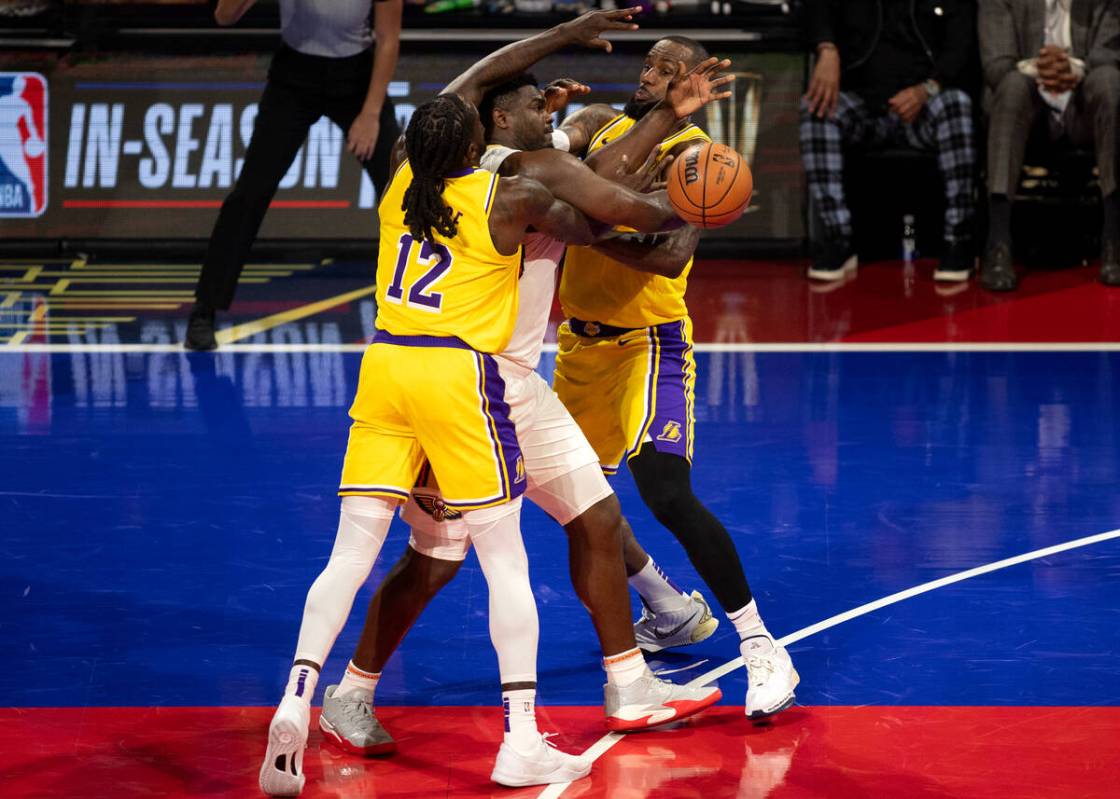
435, 507
671, 432
520, 477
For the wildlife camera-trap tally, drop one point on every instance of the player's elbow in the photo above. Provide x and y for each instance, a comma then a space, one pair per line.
224, 17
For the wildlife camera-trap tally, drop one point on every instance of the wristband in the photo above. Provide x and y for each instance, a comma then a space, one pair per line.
560, 141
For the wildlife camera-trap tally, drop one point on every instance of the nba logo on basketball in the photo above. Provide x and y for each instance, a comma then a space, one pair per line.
23, 144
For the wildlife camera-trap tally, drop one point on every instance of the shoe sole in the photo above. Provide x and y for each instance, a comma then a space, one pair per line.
684, 709
338, 742
777, 708
850, 265
564, 775
957, 276
283, 741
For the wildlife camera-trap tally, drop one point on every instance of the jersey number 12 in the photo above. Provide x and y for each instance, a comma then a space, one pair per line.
436, 258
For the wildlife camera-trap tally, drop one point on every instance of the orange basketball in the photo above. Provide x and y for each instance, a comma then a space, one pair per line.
710, 185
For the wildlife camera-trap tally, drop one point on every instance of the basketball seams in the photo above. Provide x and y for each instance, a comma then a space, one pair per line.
730, 184
682, 195
686, 189
720, 211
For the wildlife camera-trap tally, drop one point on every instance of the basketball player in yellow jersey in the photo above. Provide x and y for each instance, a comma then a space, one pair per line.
429, 389
626, 372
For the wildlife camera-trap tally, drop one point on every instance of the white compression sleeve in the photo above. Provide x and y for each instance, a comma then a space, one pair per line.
514, 627
362, 526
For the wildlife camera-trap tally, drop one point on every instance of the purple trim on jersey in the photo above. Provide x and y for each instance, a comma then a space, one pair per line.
506, 447
382, 337
670, 429
460, 173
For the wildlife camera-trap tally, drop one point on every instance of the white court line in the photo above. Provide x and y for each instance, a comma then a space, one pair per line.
746, 346
600, 747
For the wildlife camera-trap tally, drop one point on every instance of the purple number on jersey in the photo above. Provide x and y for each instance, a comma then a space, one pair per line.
428, 252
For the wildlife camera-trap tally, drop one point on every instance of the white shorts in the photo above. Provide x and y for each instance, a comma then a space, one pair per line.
561, 468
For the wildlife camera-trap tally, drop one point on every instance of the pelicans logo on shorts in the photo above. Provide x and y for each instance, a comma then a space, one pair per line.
435, 507
23, 144
671, 432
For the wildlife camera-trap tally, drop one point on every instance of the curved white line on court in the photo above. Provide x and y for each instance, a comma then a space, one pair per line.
741, 346
600, 747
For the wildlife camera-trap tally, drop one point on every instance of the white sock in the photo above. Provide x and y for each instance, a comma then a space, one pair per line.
750, 627
658, 591
521, 719
625, 667
360, 683
302, 680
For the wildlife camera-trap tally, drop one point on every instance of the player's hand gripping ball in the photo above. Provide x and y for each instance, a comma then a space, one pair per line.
710, 185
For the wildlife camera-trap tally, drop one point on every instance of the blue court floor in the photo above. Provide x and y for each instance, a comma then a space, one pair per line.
163, 515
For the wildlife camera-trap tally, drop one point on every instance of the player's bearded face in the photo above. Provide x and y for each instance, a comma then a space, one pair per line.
661, 66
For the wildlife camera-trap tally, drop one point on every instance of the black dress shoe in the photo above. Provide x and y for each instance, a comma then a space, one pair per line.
1110, 263
957, 262
834, 258
200, 330
997, 273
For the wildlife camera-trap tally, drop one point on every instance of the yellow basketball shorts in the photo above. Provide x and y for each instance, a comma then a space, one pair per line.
626, 388
435, 399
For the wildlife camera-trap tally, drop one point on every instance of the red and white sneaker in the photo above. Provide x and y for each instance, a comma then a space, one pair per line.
650, 702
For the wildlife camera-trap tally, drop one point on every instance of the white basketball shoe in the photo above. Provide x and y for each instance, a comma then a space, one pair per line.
282, 769
771, 676
544, 765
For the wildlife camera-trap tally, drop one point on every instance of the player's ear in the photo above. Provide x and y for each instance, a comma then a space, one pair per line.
500, 118
474, 153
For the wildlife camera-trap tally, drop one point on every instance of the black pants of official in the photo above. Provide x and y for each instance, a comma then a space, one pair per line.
300, 89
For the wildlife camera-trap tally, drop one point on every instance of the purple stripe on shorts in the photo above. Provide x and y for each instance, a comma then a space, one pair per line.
383, 337
670, 429
506, 447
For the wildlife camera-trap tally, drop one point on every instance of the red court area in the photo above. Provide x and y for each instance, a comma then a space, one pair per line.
912, 752
889, 302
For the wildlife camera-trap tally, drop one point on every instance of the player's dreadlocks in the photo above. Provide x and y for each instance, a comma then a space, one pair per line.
437, 139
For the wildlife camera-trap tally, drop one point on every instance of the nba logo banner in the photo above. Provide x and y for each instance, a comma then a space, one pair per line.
23, 144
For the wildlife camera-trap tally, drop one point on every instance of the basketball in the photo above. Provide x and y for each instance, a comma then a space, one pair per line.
710, 185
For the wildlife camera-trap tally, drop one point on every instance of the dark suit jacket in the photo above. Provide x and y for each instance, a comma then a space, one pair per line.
947, 28
1011, 30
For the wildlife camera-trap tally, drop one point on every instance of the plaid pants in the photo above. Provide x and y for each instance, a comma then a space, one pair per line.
944, 126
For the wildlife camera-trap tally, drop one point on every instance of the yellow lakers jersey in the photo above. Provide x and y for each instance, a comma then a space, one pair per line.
597, 288
460, 286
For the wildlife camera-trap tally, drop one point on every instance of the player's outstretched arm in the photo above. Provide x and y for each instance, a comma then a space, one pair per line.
513, 59
667, 256
523, 205
690, 91
570, 180
228, 12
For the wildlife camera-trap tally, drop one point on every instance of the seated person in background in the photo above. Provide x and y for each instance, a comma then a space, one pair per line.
886, 75
1059, 58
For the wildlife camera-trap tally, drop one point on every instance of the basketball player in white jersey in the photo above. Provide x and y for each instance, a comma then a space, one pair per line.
563, 473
